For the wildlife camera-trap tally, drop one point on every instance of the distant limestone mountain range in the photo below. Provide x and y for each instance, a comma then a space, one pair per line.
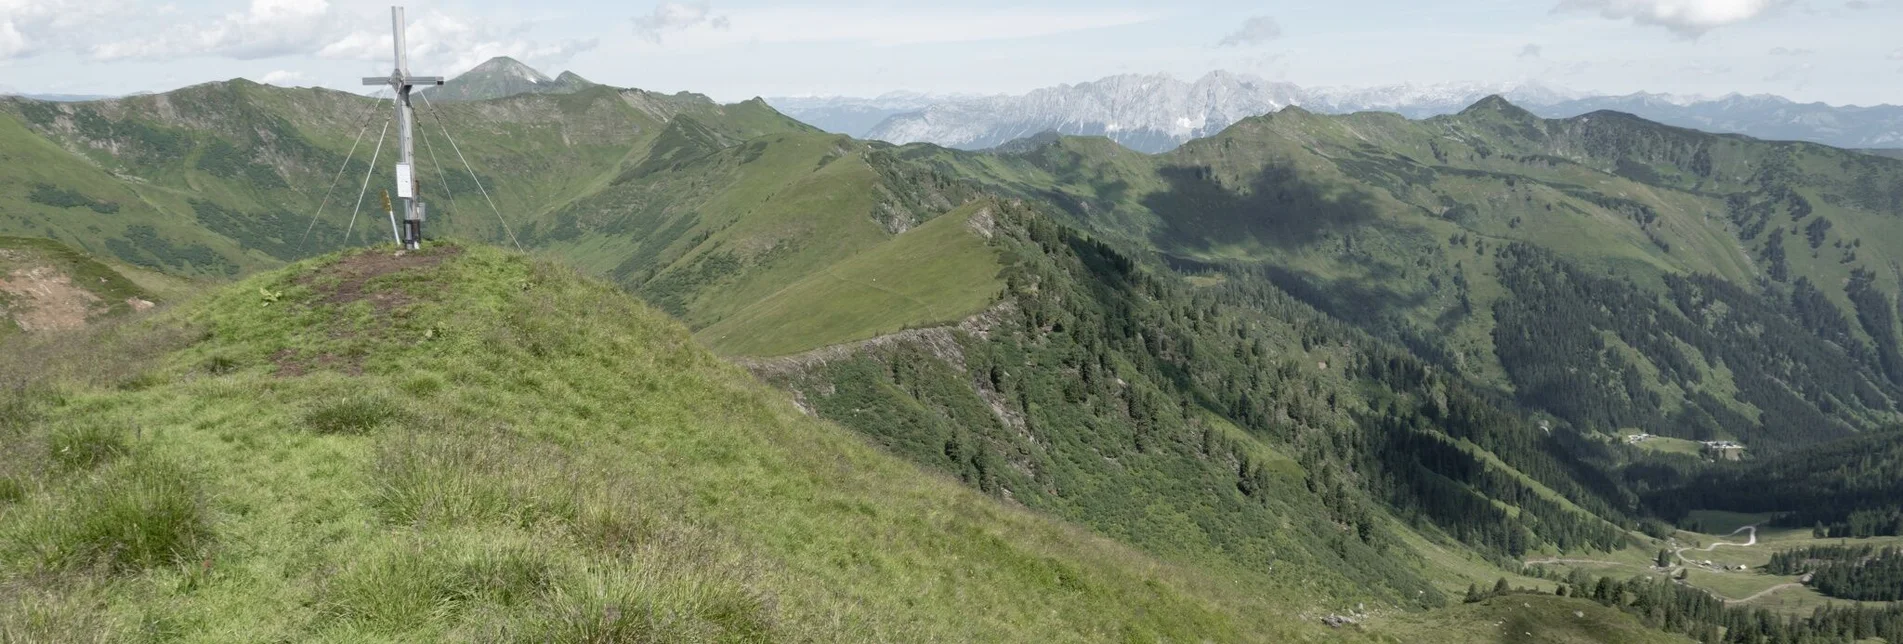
1156, 113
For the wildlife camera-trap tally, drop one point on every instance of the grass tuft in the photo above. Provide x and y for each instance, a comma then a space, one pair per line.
352, 416
626, 604
85, 446
418, 583
134, 514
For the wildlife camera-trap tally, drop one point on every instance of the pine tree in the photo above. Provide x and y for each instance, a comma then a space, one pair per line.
1473, 593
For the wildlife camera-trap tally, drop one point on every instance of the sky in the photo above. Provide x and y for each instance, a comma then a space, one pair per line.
1836, 51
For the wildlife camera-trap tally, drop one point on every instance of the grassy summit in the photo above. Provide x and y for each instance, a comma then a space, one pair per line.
464, 444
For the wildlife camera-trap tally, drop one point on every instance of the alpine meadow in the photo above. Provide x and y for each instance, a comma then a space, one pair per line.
646, 366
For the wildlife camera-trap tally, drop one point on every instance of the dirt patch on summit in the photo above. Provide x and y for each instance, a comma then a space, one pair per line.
348, 281
44, 299
356, 270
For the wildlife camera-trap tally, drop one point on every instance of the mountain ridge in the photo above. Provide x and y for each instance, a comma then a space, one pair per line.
1341, 358
1147, 120
502, 77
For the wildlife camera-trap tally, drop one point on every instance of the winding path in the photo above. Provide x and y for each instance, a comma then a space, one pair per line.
1767, 591
1752, 541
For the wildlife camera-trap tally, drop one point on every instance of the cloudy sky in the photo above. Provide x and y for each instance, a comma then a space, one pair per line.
1838, 51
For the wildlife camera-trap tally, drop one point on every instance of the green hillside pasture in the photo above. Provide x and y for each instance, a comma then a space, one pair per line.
937, 273
465, 445
1666, 444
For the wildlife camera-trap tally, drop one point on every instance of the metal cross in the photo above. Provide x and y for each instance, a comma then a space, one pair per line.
406, 184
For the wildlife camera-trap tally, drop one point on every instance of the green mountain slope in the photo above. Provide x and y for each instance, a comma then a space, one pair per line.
224, 178
1234, 427
704, 209
937, 273
1328, 360
460, 444
1685, 252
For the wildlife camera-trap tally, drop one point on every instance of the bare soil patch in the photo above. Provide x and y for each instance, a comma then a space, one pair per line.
353, 275
355, 271
45, 299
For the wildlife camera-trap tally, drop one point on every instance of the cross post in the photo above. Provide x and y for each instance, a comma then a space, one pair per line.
406, 183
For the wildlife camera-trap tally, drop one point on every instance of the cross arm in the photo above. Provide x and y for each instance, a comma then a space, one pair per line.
412, 80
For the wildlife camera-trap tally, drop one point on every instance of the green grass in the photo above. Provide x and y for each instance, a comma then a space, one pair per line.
568, 466
1718, 522
937, 273
1734, 585
1669, 445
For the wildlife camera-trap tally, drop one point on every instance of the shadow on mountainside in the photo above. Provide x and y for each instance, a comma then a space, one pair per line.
1279, 209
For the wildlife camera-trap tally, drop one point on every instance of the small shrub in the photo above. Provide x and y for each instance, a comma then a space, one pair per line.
353, 416
85, 446
11, 489
220, 365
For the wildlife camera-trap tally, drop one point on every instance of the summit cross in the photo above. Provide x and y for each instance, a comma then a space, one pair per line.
406, 184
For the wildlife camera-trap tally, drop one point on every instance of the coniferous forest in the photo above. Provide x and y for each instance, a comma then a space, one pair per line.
1864, 573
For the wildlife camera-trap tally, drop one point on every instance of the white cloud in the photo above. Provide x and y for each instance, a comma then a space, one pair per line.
1799, 74
445, 45
29, 27
1896, 55
1254, 31
440, 43
677, 16
1687, 18
1705, 69
1531, 51
890, 26
1782, 51
284, 78
12, 42
264, 29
